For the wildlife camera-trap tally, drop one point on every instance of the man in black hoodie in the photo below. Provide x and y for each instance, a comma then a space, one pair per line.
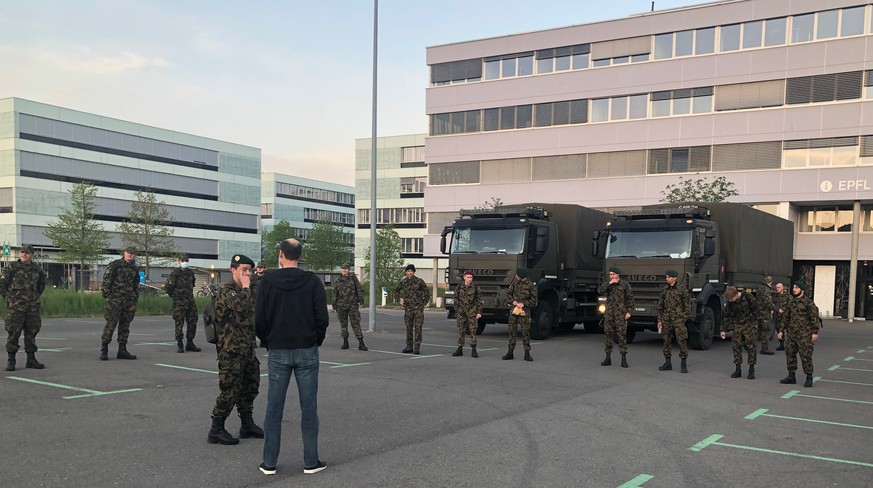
291, 320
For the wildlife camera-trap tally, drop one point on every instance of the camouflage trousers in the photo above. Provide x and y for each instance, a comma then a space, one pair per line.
18, 321
765, 333
414, 319
185, 311
745, 336
678, 329
524, 322
467, 324
799, 344
239, 378
118, 313
615, 324
350, 314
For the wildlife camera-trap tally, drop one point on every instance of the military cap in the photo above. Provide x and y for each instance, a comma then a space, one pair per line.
346, 266
800, 284
615, 269
183, 257
521, 272
28, 248
768, 280
130, 249
673, 273
260, 265
468, 272
242, 259
410, 267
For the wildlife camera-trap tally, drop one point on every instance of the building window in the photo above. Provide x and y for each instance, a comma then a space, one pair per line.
464, 71
412, 245
679, 160
837, 151
453, 173
315, 215
826, 219
704, 41
266, 210
730, 38
682, 101
509, 66
802, 28
393, 216
852, 21
826, 27
824, 88
774, 31
412, 154
413, 184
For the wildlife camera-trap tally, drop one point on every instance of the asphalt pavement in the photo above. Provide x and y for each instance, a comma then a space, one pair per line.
398, 420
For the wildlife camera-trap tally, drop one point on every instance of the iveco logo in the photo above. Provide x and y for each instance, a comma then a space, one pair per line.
479, 272
639, 278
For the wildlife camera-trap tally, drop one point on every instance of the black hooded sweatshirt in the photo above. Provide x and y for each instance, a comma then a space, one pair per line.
291, 309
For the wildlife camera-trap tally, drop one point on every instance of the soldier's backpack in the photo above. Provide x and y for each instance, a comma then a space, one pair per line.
211, 328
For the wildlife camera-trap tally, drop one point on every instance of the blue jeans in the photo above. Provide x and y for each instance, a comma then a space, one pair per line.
281, 363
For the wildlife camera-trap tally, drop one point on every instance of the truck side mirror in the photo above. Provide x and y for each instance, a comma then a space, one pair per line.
541, 244
709, 247
443, 234
595, 235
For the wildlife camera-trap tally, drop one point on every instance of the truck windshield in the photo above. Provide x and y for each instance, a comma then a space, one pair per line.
649, 244
488, 240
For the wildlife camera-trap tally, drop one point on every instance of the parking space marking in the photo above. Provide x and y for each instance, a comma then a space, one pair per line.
88, 392
52, 338
54, 349
853, 358
155, 344
196, 370
637, 482
819, 378
762, 412
837, 366
713, 440
342, 365
794, 393
410, 355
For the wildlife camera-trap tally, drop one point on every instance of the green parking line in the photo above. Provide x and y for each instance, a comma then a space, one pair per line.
713, 441
834, 367
762, 412
844, 382
57, 349
637, 482
859, 359
858, 369
794, 393
88, 392
52, 338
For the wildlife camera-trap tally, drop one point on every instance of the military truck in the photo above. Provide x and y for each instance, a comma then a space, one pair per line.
547, 239
711, 245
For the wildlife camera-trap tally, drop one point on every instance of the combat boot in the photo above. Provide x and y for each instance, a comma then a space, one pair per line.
667, 366
508, 355
191, 347
458, 352
217, 434
179, 346
474, 354
607, 361
10, 363
362, 346
248, 428
789, 380
751, 372
345, 343
527, 356
624, 360
683, 367
407, 350
104, 351
766, 352
737, 372
32, 362
123, 354
808, 382
781, 346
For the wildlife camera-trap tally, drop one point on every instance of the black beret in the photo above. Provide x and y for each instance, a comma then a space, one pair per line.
615, 269
521, 272
673, 273
242, 259
410, 267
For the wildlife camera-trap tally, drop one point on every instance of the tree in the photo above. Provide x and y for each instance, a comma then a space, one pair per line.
147, 230
700, 190
389, 259
492, 204
80, 238
327, 246
270, 241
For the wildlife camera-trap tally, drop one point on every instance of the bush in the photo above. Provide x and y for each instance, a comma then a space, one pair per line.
57, 302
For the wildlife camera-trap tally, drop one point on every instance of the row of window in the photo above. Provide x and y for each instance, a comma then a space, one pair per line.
310, 193
833, 219
683, 101
412, 245
779, 31
808, 153
304, 234
413, 184
314, 215
393, 215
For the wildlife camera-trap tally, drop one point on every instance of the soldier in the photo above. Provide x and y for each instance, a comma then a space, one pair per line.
673, 309
21, 284
468, 311
741, 312
121, 291
765, 299
780, 306
414, 297
260, 270
180, 287
348, 296
619, 303
801, 325
239, 372
522, 297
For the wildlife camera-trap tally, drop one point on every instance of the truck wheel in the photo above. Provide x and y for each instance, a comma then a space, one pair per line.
541, 325
631, 335
480, 326
702, 337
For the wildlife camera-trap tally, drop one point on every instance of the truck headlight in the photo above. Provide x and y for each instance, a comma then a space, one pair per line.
450, 301
601, 305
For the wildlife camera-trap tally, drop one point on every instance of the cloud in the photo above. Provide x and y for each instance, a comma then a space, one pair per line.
105, 65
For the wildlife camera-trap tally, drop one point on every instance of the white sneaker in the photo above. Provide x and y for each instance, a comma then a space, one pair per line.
268, 471
318, 467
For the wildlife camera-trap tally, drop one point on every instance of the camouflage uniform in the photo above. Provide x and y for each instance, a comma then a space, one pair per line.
619, 302
239, 373
180, 287
415, 297
764, 296
802, 321
781, 301
468, 304
21, 284
743, 315
673, 309
348, 296
121, 291
253, 284
523, 291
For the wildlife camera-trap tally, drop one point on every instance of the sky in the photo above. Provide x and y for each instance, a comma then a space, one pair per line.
292, 77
